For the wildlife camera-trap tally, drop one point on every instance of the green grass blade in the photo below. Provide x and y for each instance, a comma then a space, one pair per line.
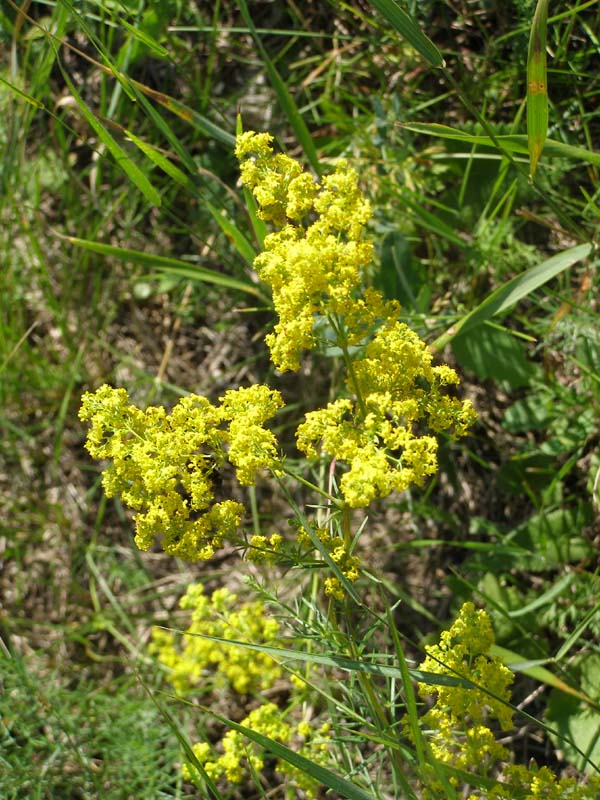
332, 660
571, 640
200, 122
160, 160
286, 101
537, 88
535, 670
513, 143
241, 244
177, 731
433, 223
405, 25
318, 773
172, 265
20, 93
409, 692
145, 38
514, 290
131, 170
233, 233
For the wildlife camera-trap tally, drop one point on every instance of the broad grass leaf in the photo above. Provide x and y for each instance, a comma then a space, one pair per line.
490, 352
509, 293
537, 86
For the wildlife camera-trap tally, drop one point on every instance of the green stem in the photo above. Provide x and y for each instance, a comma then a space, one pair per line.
314, 487
342, 343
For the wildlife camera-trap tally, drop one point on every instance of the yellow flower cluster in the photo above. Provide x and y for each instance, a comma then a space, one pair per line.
198, 658
241, 757
264, 549
314, 268
540, 783
459, 733
315, 265
237, 750
165, 466
457, 723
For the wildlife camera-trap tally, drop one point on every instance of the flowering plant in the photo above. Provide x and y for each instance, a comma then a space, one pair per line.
378, 435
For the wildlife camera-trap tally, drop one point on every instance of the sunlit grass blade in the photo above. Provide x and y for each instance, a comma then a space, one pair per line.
286, 101
176, 729
201, 123
20, 93
576, 634
409, 692
233, 233
172, 265
124, 162
145, 38
514, 290
513, 143
320, 774
536, 670
160, 160
432, 222
406, 26
333, 660
537, 87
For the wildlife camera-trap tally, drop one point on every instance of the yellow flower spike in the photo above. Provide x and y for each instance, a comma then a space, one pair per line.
314, 268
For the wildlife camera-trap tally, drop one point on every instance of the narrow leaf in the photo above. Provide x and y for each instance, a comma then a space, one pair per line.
318, 773
160, 160
286, 101
512, 143
241, 244
537, 88
133, 172
337, 661
172, 265
406, 26
20, 93
233, 233
145, 39
535, 670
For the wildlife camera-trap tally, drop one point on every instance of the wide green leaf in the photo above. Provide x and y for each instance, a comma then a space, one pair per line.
514, 290
537, 86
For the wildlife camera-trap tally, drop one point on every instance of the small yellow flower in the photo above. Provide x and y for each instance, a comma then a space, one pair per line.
164, 466
198, 658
